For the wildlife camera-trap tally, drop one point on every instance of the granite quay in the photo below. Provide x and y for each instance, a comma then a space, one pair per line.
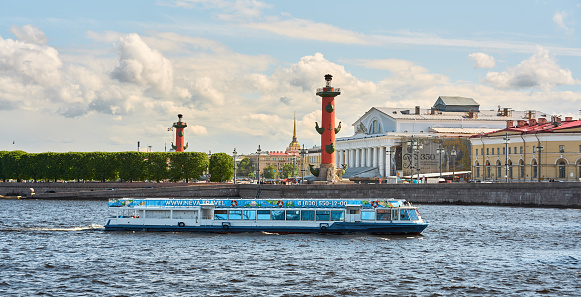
566, 195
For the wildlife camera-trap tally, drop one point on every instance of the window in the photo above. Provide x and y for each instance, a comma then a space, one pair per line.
509, 150
535, 169
404, 214
307, 215
534, 149
384, 214
498, 170
235, 215
503, 151
278, 215
220, 214
509, 169
263, 214
322, 215
368, 215
476, 152
337, 215
498, 151
249, 214
477, 170
562, 170
521, 164
292, 215
521, 149
580, 148
561, 149
375, 127
487, 151
487, 169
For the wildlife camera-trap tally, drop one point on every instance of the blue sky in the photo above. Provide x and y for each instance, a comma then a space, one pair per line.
102, 75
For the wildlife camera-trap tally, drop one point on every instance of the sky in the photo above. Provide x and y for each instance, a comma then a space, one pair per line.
105, 75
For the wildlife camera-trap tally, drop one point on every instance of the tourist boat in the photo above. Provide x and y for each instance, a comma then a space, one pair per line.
273, 216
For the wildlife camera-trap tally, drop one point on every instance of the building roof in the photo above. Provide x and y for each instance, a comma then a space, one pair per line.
455, 100
425, 114
556, 126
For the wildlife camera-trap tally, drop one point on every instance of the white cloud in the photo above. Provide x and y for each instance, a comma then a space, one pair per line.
559, 20
482, 60
307, 29
30, 34
141, 65
539, 71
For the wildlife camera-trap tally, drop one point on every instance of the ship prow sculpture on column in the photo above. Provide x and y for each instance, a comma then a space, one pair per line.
328, 172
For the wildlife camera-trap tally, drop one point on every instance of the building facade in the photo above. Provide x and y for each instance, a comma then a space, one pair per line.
533, 150
375, 149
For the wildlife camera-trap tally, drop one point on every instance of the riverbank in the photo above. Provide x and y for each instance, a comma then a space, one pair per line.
566, 195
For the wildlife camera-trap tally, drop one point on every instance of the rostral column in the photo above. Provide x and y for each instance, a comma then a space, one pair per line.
179, 126
328, 169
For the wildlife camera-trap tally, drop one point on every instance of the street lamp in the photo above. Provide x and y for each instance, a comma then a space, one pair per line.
234, 154
440, 150
506, 142
539, 150
258, 151
416, 146
453, 154
303, 152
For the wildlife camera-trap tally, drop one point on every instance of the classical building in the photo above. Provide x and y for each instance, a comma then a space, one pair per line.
379, 145
533, 150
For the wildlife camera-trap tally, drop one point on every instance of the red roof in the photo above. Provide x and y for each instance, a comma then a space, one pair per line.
537, 128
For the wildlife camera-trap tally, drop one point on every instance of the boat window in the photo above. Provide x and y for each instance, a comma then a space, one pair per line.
368, 215
395, 214
384, 214
184, 214
337, 215
263, 214
235, 215
404, 215
278, 214
158, 214
292, 215
354, 211
220, 214
322, 215
307, 215
413, 213
249, 214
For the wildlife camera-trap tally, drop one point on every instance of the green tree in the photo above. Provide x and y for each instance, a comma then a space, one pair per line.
77, 164
132, 166
2, 155
104, 166
245, 168
287, 171
157, 166
10, 165
221, 167
28, 166
190, 165
269, 172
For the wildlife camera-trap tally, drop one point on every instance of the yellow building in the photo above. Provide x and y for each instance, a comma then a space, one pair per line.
529, 151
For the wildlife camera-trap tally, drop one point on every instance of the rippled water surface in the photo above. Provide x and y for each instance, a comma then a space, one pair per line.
57, 248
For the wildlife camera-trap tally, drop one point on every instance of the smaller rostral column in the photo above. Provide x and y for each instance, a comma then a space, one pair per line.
179, 126
328, 170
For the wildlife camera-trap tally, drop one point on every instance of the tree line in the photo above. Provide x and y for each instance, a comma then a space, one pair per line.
113, 166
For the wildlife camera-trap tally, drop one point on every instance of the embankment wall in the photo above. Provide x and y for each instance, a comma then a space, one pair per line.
520, 194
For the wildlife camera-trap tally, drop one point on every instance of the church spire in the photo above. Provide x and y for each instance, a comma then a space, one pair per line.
295, 128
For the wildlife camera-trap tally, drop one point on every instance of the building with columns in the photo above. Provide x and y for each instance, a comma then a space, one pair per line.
378, 146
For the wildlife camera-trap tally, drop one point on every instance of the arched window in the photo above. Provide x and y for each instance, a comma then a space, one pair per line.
498, 170
477, 169
521, 165
487, 169
375, 127
510, 169
562, 169
535, 169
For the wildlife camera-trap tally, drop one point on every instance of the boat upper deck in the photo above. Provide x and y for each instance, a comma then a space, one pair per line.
256, 203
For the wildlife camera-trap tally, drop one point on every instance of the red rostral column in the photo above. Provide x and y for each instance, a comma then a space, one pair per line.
327, 129
179, 126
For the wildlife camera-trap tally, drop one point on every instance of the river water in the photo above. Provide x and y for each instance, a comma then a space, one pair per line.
58, 248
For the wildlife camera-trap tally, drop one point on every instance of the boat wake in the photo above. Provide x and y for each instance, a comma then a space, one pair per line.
66, 229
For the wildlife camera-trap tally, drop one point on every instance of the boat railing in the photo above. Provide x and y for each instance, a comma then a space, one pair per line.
206, 217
